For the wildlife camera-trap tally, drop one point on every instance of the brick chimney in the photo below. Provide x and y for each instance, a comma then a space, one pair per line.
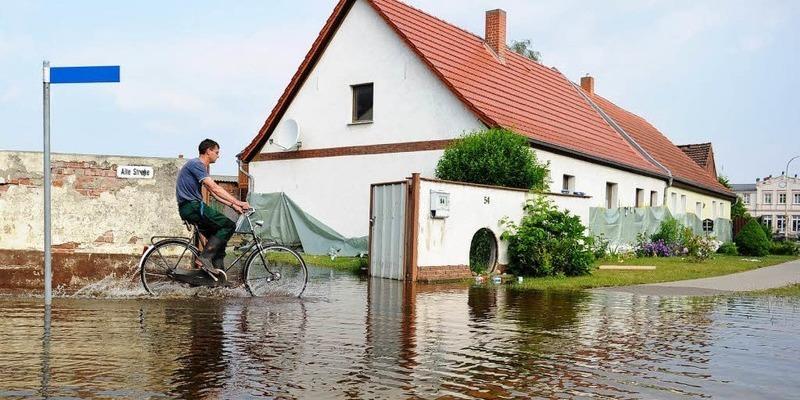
587, 83
496, 31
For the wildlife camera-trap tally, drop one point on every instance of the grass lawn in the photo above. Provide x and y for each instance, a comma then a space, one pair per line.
347, 264
667, 269
786, 291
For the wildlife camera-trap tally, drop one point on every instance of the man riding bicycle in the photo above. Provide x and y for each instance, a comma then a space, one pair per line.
215, 227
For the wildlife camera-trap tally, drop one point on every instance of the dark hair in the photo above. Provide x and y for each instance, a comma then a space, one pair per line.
207, 144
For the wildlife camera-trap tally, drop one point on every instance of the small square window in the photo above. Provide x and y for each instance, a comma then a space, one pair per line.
568, 184
362, 102
639, 197
708, 226
611, 195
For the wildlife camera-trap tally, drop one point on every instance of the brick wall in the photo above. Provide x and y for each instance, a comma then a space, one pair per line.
443, 273
93, 211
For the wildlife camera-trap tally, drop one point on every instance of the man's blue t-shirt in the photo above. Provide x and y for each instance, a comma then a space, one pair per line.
189, 181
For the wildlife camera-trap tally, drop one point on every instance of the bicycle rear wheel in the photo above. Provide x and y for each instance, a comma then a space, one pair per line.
275, 270
160, 263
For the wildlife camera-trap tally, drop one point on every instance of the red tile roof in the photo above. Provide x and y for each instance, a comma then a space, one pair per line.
683, 168
515, 93
698, 152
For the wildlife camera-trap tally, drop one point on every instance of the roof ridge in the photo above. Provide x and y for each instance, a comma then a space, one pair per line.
628, 138
432, 16
483, 39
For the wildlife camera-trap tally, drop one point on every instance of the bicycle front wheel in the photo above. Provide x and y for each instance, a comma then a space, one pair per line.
161, 262
275, 270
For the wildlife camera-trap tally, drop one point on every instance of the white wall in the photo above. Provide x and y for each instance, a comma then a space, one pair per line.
335, 190
410, 102
591, 179
444, 242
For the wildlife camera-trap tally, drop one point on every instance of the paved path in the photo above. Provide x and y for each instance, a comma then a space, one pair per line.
757, 279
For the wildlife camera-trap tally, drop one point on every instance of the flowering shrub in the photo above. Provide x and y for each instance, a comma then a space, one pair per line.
674, 240
658, 248
547, 242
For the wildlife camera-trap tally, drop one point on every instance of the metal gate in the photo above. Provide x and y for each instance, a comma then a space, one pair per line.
388, 230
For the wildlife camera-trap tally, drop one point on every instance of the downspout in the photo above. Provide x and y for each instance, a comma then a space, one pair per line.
627, 137
249, 177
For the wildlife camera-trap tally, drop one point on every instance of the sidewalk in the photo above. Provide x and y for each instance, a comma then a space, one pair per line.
757, 279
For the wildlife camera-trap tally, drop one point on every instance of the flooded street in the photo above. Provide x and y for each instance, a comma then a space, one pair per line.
360, 338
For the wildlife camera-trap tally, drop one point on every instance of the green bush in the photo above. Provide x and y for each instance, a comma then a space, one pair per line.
767, 230
493, 157
752, 241
480, 251
548, 242
728, 248
669, 232
785, 248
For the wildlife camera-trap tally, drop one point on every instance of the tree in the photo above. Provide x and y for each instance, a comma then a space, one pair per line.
493, 157
737, 207
738, 210
724, 181
523, 47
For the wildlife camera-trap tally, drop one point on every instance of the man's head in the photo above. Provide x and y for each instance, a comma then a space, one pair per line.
209, 149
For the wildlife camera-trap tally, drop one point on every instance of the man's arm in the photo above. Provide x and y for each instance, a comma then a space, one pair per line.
223, 196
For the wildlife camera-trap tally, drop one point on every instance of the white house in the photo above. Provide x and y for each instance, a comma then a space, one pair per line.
386, 87
776, 200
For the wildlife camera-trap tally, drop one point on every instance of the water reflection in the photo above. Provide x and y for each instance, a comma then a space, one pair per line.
387, 339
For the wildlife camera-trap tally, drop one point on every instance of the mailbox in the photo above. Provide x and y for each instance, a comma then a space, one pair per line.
440, 204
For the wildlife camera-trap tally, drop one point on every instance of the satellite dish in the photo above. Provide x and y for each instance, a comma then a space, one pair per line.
287, 135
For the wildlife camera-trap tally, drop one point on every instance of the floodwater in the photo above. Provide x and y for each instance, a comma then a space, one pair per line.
359, 338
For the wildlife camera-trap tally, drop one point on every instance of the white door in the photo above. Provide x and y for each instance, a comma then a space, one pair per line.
387, 231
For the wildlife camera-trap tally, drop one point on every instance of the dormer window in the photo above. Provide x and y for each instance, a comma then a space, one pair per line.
362, 103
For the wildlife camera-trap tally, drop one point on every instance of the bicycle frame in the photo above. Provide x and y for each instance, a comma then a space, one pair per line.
195, 240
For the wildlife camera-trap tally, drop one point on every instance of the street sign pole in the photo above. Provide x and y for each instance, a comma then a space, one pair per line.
92, 74
48, 267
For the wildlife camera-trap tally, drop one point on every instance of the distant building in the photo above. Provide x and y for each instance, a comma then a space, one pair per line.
776, 200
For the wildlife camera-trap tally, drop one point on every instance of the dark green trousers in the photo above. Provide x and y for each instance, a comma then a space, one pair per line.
210, 221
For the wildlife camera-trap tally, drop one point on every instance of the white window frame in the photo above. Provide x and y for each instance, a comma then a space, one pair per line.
746, 198
683, 204
796, 223
767, 197
780, 223
674, 202
796, 198
781, 198
767, 220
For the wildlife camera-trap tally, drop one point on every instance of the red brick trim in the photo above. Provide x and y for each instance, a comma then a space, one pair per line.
356, 150
437, 273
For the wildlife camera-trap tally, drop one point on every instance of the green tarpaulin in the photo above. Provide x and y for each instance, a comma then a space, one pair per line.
621, 225
287, 223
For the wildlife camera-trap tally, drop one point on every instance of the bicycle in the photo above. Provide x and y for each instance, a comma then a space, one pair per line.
268, 267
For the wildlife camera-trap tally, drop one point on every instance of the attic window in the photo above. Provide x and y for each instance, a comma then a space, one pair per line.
362, 102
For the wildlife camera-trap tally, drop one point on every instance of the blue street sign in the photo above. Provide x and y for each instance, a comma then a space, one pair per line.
84, 74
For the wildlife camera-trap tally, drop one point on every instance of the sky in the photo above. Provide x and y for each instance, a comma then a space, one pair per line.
721, 71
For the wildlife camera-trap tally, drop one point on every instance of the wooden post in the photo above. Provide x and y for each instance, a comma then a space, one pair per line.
412, 227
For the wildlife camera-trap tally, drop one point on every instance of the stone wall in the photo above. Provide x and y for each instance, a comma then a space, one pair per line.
93, 210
